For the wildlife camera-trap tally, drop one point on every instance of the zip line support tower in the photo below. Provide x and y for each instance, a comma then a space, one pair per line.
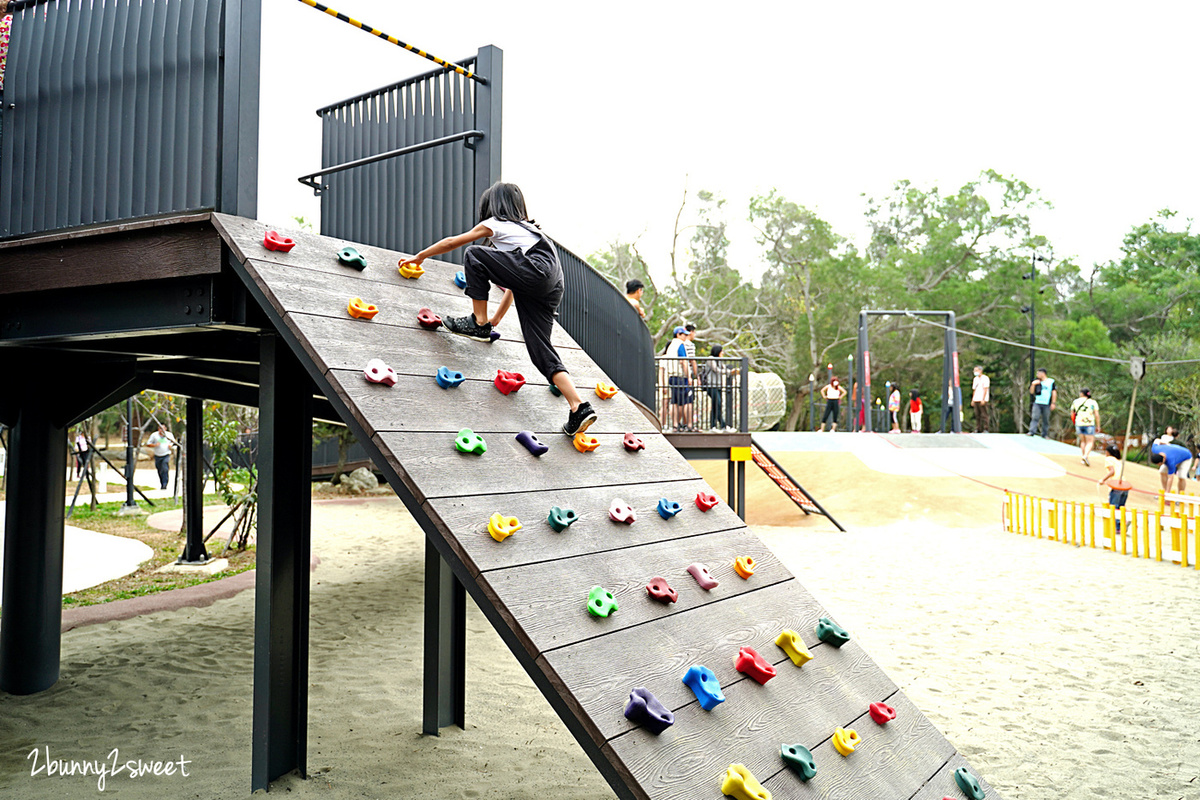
951, 389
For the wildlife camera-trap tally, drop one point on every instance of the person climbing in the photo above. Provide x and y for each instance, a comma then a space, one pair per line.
915, 409
833, 394
1086, 413
524, 260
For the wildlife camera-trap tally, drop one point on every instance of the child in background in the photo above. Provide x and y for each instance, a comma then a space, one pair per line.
894, 408
915, 409
1112, 463
523, 259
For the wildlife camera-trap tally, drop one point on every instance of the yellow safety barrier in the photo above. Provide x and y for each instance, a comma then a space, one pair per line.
1137, 532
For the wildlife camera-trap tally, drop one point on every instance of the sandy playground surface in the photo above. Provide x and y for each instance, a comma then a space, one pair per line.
1059, 672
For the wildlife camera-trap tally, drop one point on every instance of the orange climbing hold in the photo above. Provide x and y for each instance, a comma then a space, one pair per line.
606, 391
361, 309
744, 566
585, 443
502, 527
412, 271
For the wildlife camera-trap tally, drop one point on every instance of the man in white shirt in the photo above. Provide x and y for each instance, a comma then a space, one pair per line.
162, 442
981, 397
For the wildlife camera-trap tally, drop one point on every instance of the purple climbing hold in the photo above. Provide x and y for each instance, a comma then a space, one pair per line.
645, 709
531, 443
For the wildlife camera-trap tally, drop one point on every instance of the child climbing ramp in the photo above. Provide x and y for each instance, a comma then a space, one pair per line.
683, 656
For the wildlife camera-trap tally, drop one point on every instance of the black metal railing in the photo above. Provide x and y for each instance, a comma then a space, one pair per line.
703, 394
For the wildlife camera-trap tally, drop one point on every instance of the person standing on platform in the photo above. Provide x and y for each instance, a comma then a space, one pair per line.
981, 398
833, 394
915, 410
1045, 398
161, 441
633, 293
894, 408
1086, 414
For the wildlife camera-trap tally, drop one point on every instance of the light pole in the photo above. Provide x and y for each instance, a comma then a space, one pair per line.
1031, 309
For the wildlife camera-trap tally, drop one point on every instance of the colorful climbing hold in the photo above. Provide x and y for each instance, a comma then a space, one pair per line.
644, 709
502, 527
428, 320
969, 784
273, 240
744, 566
741, 785
668, 508
460, 279
350, 257
799, 758
507, 382
601, 602
584, 443
845, 740
605, 391
660, 590
829, 632
706, 501
554, 391
881, 713
633, 443
703, 683
361, 309
561, 518
493, 336
748, 661
620, 511
531, 443
448, 378
412, 271
379, 372
702, 576
793, 645
468, 441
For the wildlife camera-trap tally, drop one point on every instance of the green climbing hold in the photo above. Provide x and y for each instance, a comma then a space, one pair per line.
561, 518
469, 441
799, 758
352, 258
829, 632
601, 602
554, 391
969, 784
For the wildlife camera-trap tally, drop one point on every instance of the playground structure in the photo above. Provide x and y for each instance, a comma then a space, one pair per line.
207, 305
1162, 534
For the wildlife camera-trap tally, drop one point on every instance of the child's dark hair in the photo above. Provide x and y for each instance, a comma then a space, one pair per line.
1113, 451
503, 201
914, 394
1156, 458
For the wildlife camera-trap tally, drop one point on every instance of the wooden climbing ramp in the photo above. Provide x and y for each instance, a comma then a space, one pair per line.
534, 586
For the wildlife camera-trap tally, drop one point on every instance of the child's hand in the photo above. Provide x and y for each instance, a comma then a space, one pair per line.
415, 261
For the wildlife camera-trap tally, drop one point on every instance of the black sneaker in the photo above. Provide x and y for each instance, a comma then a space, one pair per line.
580, 420
467, 326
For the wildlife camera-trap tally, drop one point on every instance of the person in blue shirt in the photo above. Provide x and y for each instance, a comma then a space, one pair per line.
1171, 460
1045, 397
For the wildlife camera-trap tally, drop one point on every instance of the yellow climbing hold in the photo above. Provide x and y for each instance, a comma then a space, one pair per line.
502, 527
740, 784
793, 645
844, 741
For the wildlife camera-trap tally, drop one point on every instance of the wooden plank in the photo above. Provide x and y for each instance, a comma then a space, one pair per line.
349, 343
436, 469
942, 784
592, 533
599, 674
140, 254
892, 762
314, 252
105, 229
417, 403
804, 706
294, 289
549, 598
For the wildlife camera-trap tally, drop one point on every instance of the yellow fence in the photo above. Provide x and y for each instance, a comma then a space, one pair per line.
1168, 534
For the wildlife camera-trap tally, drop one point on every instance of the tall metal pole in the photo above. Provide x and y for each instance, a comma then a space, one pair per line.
864, 371
130, 463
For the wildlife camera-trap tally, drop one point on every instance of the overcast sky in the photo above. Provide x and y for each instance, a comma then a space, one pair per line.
611, 108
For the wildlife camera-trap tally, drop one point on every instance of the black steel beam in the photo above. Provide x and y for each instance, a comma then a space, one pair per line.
222, 391
280, 737
206, 344
445, 645
193, 485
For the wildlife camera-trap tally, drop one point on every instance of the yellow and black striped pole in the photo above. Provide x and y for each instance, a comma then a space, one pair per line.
395, 41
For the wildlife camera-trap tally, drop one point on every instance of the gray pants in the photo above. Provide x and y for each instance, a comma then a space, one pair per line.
1042, 413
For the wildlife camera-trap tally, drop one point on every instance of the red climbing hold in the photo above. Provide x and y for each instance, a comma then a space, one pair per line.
881, 713
754, 665
277, 241
508, 382
706, 501
428, 319
633, 443
660, 590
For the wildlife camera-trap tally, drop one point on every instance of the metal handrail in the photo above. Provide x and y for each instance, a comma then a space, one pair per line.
738, 376
319, 188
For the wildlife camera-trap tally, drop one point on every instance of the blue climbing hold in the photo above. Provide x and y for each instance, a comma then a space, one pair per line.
460, 279
668, 508
448, 378
704, 685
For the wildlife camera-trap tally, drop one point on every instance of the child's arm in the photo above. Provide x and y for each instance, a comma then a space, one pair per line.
449, 243
502, 309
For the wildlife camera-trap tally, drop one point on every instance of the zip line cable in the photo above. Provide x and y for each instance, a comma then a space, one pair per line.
395, 41
1048, 349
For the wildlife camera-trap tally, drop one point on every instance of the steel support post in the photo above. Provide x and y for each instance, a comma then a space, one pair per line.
952, 352
741, 490
864, 370
281, 584
445, 645
33, 552
488, 104
193, 488
130, 455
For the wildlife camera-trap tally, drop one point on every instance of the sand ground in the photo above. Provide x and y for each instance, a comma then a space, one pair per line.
1059, 672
